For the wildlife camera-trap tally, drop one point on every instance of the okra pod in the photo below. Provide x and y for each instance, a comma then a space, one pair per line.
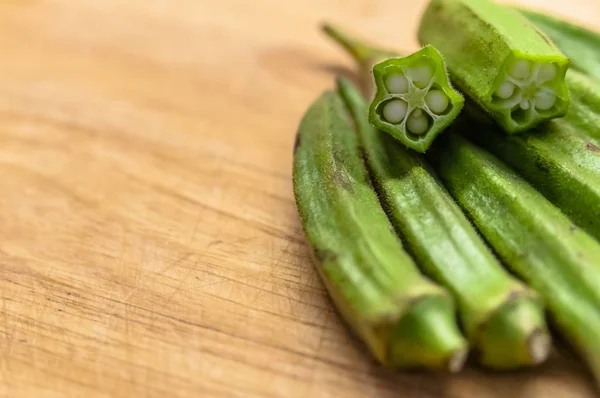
500, 60
584, 112
533, 237
414, 100
405, 319
557, 160
576, 42
583, 78
502, 318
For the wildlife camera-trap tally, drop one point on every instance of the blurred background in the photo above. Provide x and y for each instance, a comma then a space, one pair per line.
149, 241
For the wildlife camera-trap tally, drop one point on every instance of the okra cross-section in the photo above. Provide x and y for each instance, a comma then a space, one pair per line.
414, 100
500, 60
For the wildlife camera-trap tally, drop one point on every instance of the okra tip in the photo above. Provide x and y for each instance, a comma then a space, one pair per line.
516, 335
427, 336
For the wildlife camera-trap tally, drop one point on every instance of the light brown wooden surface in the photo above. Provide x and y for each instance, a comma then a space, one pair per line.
149, 242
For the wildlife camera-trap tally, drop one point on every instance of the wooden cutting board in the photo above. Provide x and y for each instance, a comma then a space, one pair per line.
149, 242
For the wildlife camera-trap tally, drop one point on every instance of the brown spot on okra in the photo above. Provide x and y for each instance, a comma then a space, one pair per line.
542, 165
513, 295
592, 148
342, 179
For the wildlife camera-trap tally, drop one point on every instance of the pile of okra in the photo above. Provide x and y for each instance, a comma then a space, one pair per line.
451, 197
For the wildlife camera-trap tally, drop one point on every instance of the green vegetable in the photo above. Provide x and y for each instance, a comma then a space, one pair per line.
581, 45
502, 318
555, 158
414, 101
498, 59
584, 112
534, 238
404, 319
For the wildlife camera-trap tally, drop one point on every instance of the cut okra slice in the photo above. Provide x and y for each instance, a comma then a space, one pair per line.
500, 60
414, 100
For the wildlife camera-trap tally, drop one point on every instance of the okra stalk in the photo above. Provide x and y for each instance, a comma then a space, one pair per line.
576, 42
533, 237
365, 56
559, 161
405, 319
414, 100
503, 319
500, 60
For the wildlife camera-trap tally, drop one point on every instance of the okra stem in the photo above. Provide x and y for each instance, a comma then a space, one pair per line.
503, 319
374, 283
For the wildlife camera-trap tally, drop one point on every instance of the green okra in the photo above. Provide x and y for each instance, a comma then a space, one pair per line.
404, 318
500, 60
576, 42
584, 112
502, 318
533, 238
556, 159
583, 78
414, 101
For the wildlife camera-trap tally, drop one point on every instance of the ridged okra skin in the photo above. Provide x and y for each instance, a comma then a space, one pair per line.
576, 42
414, 100
584, 112
503, 318
533, 237
405, 319
500, 60
556, 159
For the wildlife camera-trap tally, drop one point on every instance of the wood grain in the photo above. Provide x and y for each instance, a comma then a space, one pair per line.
149, 242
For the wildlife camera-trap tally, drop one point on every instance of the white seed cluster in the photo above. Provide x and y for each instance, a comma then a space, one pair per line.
414, 103
525, 86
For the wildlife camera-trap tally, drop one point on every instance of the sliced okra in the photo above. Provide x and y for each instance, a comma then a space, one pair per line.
414, 100
500, 60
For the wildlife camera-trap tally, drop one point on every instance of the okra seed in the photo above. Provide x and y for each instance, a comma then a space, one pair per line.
420, 75
505, 90
524, 105
395, 111
397, 84
437, 101
544, 101
520, 69
546, 73
417, 122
